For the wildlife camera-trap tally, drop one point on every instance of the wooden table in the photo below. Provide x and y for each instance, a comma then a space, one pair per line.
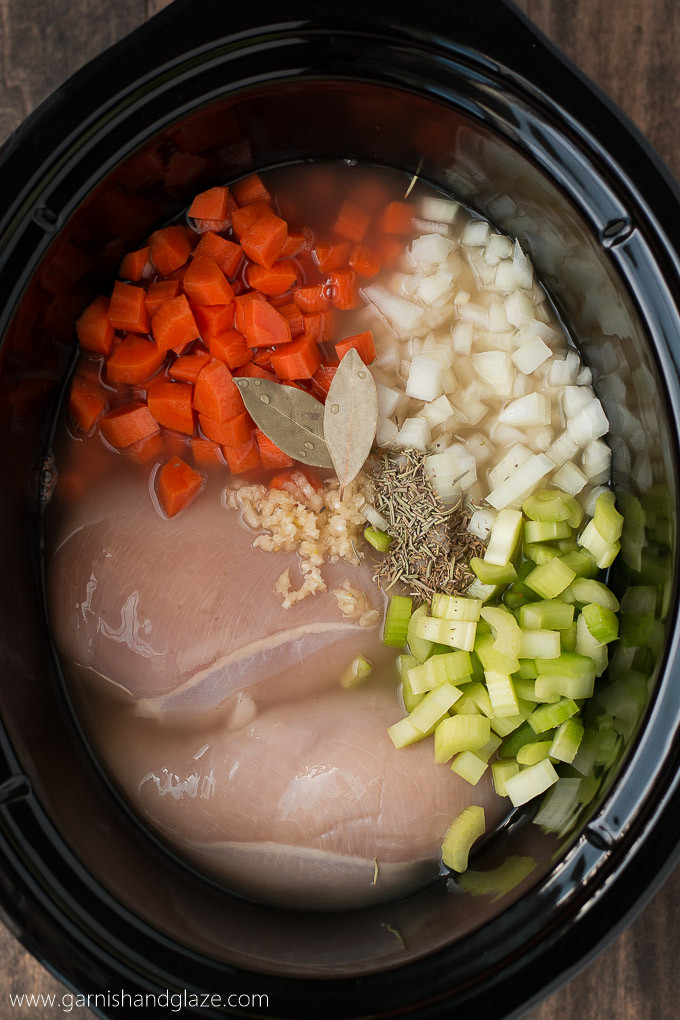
631, 48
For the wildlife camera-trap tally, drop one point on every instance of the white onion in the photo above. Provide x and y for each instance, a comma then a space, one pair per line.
448, 381
424, 378
562, 450
596, 458
443, 209
480, 523
507, 435
433, 288
430, 250
524, 271
574, 398
522, 483
569, 478
414, 432
489, 258
521, 386
585, 377
531, 355
505, 276
374, 518
497, 369
473, 312
479, 447
468, 412
451, 472
437, 411
476, 234
588, 423
540, 439
430, 226
387, 400
588, 498
462, 297
461, 337
532, 409
385, 432
498, 320
404, 315
519, 309
507, 465
500, 245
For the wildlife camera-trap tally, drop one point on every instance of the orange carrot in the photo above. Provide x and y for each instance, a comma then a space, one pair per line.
127, 310
288, 480
231, 347
170, 404
295, 317
263, 358
245, 457
323, 377
128, 424
275, 281
210, 205
251, 189
243, 219
93, 329
263, 241
311, 298
205, 283
187, 367
232, 432
362, 343
160, 291
134, 263
173, 324
205, 452
146, 450
241, 302
319, 325
298, 359
133, 362
331, 256
212, 320
270, 454
397, 219
86, 403
251, 371
178, 485
344, 290
170, 248
216, 394
352, 222
226, 254
265, 327
364, 261
295, 242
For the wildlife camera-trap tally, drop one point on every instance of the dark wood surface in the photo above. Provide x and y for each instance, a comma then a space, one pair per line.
631, 48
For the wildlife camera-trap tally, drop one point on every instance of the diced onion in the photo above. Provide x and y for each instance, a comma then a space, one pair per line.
414, 432
443, 209
532, 409
424, 378
476, 234
531, 355
404, 315
385, 432
481, 522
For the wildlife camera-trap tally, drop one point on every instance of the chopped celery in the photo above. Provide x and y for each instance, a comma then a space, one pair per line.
567, 545
550, 579
530, 782
409, 696
550, 687
418, 646
378, 539
550, 614
396, 621
576, 511
601, 622
355, 674
507, 635
607, 519
501, 771
460, 733
559, 806
547, 717
639, 599
568, 664
460, 836
490, 573
481, 591
476, 695
544, 644
456, 607
513, 600
546, 531
502, 695
539, 552
521, 736
403, 733
584, 759
454, 633
568, 639
586, 590
581, 562
526, 689
586, 644
527, 669
469, 767
505, 532
404, 663
548, 505
603, 552
477, 668
507, 724
492, 659
490, 748
434, 705
499, 881
567, 740
530, 754
439, 669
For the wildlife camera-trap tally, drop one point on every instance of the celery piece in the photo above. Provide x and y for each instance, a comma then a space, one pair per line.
567, 740
514, 741
545, 531
490, 573
544, 644
439, 669
409, 696
396, 621
477, 695
639, 599
378, 539
551, 687
548, 614
507, 724
434, 705
550, 579
539, 553
477, 668
601, 622
454, 633
530, 782
568, 664
586, 590
625, 699
547, 717
404, 663
487, 750
501, 771
419, 647
532, 753
456, 607
469, 767
560, 806
460, 836
567, 545
502, 695
603, 552
507, 635
568, 640
460, 733
526, 690
505, 532
356, 673
584, 760
575, 517
513, 600
527, 670
492, 659
403, 733
478, 590
548, 505
581, 562
499, 881
607, 519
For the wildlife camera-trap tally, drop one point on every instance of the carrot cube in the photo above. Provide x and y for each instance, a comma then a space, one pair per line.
295, 242
251, 189
178, 485
210, 205
212, 320
319, 325
352, 222
312, 298
226, 254
245, 457
133, 362
275, 281
232, 348
243, 219
174, 325
295, 318
187, 367
264, 326
241, 302
127, 310
324, 375
134, 263
344, 290
87, 402
331, 256
169, 248
205, 452
216, 394
205, 283
170, 404
364, 261
397, 219
127, 424
93, 329
270, 454
362, 343
263, 241
251, 371
298, 359
160, 291
232, 432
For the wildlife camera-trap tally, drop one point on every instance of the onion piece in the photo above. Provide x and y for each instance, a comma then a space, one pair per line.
522, 483
414, 432
388, 400
429, 251
596, 459
514, 459
524, 271
476, 234
404, 315
569, 478
531, 355
481, 522
386, 432
374, 518
532, 409
431, 208
424, 378
497, 369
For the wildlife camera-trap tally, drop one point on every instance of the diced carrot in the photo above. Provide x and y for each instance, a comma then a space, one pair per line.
295, 317
160, 291
319, 325
187, 367
251, 371
295, 242
128, 424
133, 362
205, 452
127, 309
265, 327
170, 248
226, 254
245, 457
86, 403
311, 298
323, 377
362, 343
146, 450
251, 189
263, 241
331, 256
397, 219
232, 432
298, 359
212, 320
216, 394
275, 281
214, 226
205, 283
294, 385
231, 347
134, 263
245, 218
344, 289
93, 329
178, 485
174, 325
210, 205
270, 454
241, 302
286, 479
352, 222
364, 261
170, 404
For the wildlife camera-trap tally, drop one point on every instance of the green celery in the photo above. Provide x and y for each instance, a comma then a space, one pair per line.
603, 552
434, 706
504, 536
581, 562
501, 771
530, 782
532, 753
548, 614
524, 734
439, 669
559, 807
568, 640
550, 687
586, 590
403, 733
454, 633
568, 664
492, 659
550, 579
396, 621
356, 673
502, 695
539, 553
456, 607
460, 836
601, 622
567, 740
547, 505
490, 573
418, 646
378, 539
409, 696
469, 767
544, 644
546, 531
507, 635
607, 519
547, 717
457, 733
527, 670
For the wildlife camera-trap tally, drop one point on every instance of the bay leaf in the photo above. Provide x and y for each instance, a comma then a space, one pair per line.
291, 418
350, 417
